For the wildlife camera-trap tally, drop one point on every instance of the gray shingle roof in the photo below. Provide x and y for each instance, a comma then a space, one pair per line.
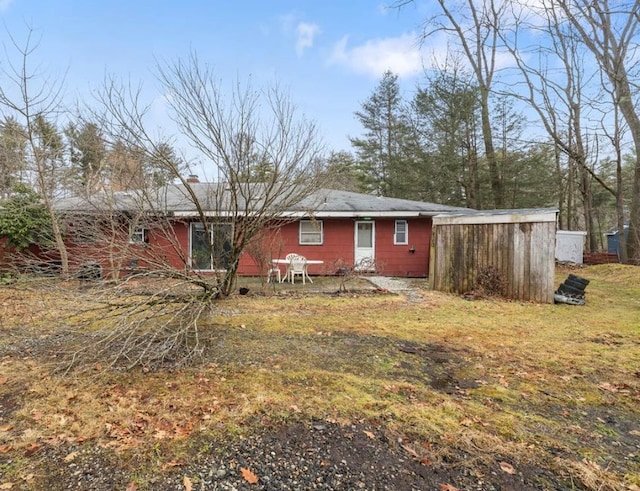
345, 203
323, 203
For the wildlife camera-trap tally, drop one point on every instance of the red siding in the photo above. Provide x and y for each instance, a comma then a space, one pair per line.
181, 239
339, 234
338, 247
398, 260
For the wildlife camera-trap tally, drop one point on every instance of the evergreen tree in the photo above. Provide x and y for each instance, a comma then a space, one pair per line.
381, 152
48, 147
342, 173
87, 152
528, 174
156, 166
253, 165
13, 141
447, 114
24, 219
131, 167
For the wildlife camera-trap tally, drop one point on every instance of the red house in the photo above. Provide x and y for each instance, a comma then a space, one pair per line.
393, 235
339, 228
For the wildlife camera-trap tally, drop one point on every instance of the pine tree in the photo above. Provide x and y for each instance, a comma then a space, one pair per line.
13, 141
381, 153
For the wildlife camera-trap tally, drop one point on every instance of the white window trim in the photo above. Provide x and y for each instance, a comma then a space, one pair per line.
406, 233
137, 235
315, 223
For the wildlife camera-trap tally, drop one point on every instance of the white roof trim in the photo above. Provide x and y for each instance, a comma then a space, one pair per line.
194, 214
355, 214
317, 214
479, 219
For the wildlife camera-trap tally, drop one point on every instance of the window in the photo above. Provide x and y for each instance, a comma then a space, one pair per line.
311, 232
401, 235
210, 251
138, 235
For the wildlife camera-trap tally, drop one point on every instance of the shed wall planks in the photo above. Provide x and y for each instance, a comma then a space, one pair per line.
523, 252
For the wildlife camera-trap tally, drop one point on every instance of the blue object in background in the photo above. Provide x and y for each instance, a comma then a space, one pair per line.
613, 240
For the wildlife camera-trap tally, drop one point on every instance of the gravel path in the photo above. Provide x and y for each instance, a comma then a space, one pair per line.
395, 285
317, 455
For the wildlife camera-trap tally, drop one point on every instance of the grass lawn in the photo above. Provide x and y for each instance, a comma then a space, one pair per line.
514, 387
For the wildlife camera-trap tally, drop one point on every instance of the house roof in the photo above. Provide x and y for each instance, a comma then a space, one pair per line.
323, 203
170, 198
334, 203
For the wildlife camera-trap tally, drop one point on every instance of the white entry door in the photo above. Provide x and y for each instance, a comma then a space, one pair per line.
365, 246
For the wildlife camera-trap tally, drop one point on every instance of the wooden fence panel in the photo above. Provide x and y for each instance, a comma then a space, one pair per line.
522, 250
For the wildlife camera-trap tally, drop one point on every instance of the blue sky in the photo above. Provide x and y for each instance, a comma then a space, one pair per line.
328, 54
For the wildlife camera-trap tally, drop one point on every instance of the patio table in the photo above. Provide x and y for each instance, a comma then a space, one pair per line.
306, 265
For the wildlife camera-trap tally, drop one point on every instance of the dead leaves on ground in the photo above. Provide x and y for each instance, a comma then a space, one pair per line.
71, 457
32, 449
248, 475
507, 467
616, 387
417, 456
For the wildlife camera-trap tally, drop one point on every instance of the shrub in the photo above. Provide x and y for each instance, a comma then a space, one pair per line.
490, 281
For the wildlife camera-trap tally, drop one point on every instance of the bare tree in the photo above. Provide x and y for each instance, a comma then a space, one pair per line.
557, 95
610, 32
34, 103
616, 136
268, 162
475, 24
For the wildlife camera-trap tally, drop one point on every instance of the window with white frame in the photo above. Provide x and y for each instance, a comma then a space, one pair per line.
401, 235
138, 235
311, 232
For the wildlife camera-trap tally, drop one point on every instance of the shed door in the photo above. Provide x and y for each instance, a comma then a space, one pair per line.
365, 246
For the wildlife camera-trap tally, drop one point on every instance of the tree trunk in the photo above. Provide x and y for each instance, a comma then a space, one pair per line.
631, 116
612, 47
562, 206
587, 207
490, 153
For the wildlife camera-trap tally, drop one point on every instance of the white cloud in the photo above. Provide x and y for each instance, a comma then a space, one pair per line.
287, 22
306, 34
401, 55
4, 4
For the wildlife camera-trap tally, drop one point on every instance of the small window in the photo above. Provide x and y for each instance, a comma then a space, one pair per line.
401, 234
138, 235
311, 232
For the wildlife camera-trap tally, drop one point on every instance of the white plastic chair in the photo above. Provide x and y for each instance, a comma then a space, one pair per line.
288, 258
297, 265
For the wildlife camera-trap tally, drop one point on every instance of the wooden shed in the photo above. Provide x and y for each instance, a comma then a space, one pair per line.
516, 246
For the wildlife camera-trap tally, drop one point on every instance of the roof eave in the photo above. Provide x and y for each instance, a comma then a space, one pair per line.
497, 216
322, 214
